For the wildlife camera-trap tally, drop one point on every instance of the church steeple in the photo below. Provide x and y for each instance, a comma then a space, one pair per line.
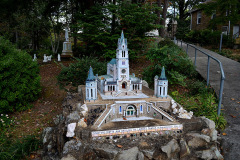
161, 85
122, 42
91, 76
91, 86
122, 59
163, 76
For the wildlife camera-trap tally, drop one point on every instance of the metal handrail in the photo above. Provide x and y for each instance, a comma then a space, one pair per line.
208, 67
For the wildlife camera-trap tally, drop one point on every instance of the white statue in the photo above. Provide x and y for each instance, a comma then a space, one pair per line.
34, 57
45, 58
59, 57
66, 34
49, 58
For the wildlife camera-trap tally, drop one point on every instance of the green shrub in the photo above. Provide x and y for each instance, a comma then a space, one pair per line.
175, 61
19, 77
196, 86
182, 29
18, 149
166, 42
203, 104
76, 73
205, 37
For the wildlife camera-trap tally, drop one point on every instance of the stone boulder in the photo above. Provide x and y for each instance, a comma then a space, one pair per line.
213, 134
106, 151
68, 157
131, 154
70, 130
73, 117
83, 109
171, 148
47, 134
184, 149
72, 146
81, 123
198, 140
212, 153
209, 123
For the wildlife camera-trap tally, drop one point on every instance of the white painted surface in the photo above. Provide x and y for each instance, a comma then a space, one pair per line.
131, 119
129, 102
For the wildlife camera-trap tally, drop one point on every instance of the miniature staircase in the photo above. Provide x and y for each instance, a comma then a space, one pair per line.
163, 113
117, 93
103, 116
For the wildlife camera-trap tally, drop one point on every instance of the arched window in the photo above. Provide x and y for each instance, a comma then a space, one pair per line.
148, 108
120, 109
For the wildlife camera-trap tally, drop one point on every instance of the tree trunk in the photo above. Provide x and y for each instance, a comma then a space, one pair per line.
113, 19
164, 16
181, 9
158, 15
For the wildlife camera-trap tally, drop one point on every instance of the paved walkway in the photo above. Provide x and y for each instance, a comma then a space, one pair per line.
231, 96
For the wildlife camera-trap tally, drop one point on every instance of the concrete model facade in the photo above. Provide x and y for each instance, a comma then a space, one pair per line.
123, 98
161, 85
118, 82
91, 86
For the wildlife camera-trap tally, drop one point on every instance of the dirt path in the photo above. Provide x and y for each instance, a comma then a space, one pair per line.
231, 96
46, 107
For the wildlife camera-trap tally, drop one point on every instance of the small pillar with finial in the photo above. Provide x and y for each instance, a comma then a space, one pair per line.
67, 46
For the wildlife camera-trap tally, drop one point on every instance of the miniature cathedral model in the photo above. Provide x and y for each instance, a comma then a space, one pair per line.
118, 83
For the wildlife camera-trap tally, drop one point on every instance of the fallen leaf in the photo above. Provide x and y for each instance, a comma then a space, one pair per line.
119, 146
232, 99
224, 134
233, 116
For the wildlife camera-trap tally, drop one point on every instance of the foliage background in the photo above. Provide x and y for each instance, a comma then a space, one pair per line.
19, 77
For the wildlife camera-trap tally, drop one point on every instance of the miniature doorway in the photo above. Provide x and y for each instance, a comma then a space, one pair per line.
124, 85
131, 111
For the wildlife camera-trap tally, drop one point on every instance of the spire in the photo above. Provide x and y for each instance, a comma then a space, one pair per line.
163, 76
122, 36
122, 41
91, 76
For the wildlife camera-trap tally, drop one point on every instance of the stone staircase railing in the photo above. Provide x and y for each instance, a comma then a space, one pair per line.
100, 116
104, 117
163, 113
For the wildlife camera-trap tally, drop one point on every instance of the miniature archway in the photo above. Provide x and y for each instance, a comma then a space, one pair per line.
131, 111
124, 85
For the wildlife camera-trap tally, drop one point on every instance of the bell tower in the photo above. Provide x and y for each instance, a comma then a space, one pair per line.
122, 59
